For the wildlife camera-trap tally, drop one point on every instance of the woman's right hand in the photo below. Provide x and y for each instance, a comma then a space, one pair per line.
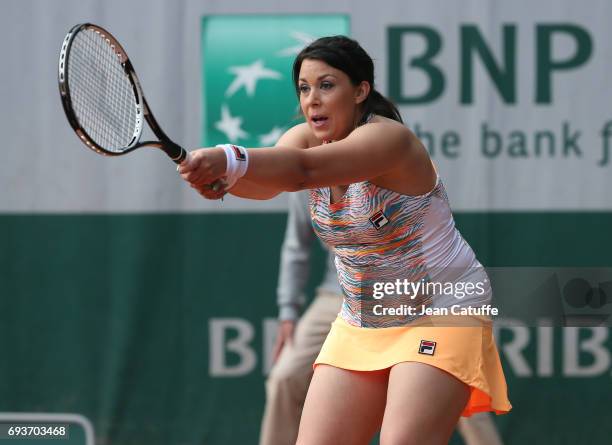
202, 169
216, 190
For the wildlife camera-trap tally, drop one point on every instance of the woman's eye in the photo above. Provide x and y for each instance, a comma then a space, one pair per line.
326, 85
303, 88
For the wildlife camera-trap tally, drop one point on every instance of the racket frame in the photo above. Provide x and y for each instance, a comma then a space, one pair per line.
173, 150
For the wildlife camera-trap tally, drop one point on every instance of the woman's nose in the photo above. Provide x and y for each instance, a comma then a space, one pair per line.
313, 97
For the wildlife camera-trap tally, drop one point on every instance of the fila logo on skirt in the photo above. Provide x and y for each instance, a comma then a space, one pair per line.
379, 219
427, 347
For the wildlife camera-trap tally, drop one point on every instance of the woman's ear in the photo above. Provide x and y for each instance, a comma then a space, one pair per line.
362, 91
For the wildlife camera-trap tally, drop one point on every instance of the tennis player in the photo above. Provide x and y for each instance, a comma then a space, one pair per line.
300, 338
378, 202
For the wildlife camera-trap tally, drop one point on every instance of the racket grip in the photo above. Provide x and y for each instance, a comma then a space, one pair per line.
182, 157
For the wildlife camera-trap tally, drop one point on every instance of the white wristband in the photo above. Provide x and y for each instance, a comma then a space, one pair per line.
237, 158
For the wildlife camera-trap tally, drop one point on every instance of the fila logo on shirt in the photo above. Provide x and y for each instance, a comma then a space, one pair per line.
427, 347
239, 154
379, 220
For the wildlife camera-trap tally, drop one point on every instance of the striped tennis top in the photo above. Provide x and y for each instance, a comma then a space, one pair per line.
380, 236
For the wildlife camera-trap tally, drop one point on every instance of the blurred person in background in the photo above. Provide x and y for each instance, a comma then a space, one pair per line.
297, 343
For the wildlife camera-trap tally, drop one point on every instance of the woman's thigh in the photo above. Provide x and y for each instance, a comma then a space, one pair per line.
423, 405
343, 406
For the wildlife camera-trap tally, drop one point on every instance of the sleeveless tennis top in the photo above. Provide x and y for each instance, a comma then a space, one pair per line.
384, 238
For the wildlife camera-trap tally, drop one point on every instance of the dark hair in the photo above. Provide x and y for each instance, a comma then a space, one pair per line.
348, 56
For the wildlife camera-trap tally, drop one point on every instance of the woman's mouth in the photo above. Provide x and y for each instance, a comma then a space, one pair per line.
318, 121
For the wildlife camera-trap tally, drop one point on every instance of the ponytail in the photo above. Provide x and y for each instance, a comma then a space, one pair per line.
376, 103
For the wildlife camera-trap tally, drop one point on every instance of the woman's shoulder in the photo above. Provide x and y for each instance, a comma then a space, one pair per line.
377, 118
384, 129
299, 136
386, 123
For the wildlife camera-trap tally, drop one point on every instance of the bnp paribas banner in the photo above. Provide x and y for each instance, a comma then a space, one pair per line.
513, 107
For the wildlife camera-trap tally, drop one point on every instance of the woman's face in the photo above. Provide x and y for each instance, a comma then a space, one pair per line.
329, 101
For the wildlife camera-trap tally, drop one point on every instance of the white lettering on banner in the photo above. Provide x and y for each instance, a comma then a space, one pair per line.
545, 351
218, 327
593, 346
513, 350
575, 351
241, 346
584, 356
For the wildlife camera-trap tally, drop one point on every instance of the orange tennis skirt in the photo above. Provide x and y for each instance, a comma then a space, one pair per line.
468, 352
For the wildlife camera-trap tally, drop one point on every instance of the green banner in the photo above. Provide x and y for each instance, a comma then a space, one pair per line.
129, 319
248, 93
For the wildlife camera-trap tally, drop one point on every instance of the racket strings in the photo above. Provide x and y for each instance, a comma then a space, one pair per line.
109, 103
102, 95
109, 99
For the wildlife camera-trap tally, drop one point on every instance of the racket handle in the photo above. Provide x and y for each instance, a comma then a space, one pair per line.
182, 157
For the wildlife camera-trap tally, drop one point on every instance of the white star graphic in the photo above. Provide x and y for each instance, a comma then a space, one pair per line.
230, 125
303, 39
248, 75
268, 140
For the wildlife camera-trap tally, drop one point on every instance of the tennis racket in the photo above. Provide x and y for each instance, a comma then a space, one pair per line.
102, 96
